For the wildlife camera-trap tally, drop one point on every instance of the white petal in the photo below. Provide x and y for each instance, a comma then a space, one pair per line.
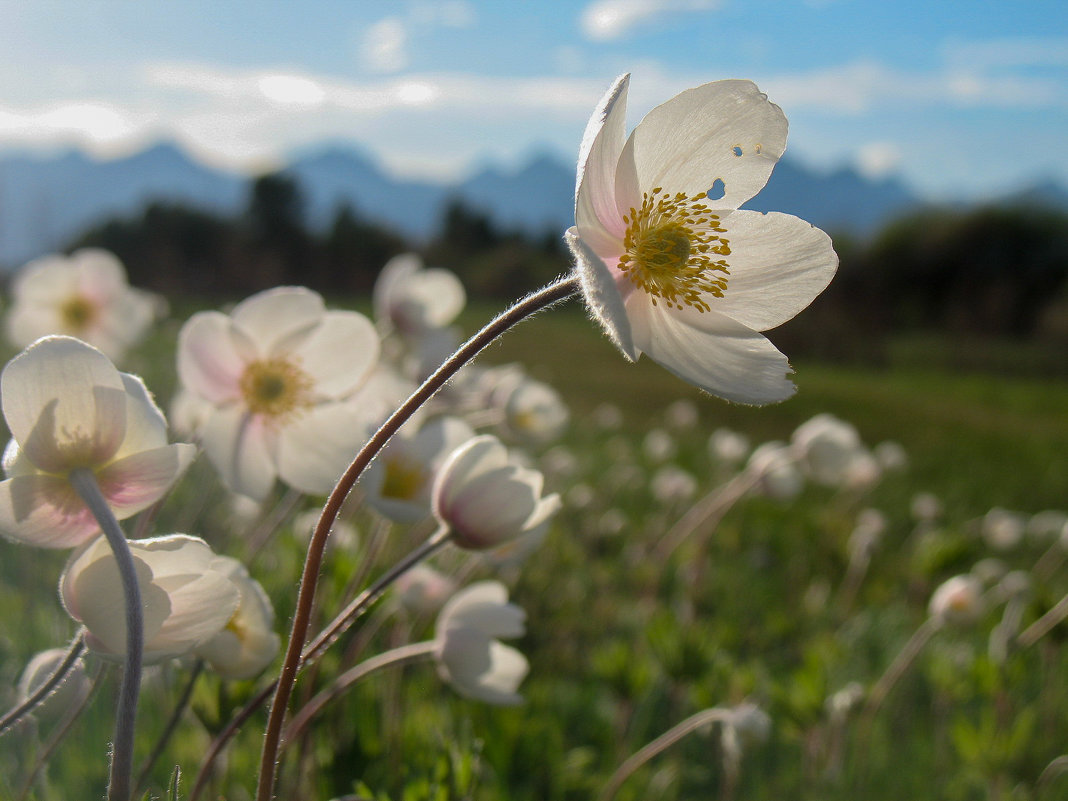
42, 280
687, 143
237, 445
602, 295
100, 273
595, 204
393, 275
474, 458
723, 357
65, 403
493, 507
778, 264
210, 360
44, 511
339, 353
275, 314
316, 448
483, 606
200, 607
508, 668
146, 427
139, 480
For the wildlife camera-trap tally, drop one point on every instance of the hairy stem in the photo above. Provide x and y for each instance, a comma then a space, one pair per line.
13, 716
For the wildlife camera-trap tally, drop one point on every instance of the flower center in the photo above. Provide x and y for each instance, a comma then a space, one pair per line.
276, 387
404, 478
670, 247
77, 312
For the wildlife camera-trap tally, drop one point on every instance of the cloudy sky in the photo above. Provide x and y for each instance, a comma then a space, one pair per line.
958, 98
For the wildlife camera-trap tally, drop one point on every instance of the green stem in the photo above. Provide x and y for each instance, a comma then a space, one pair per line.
172, 725
84, 483
559, 290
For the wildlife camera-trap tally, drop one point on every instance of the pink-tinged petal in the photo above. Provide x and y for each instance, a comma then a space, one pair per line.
602, 294
726, 130
339, 353
722, 357
100, 274
315, 449
276, 314
44, 511
237, 444
393, 275
480, 455
139, 480
42, 280
211, 360
778, 264
65, 403
595, 204
146, 427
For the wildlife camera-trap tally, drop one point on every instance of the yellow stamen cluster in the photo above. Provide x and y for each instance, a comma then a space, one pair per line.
670, 246
77, 312
404, 478
276, 388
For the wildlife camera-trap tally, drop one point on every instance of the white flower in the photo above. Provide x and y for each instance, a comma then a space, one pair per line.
423, 589
958, 600
84, 295
776, 471
1002, 529
687, 278
70, 690
398, 482
831, 451
412, 300
248, 642
68, 408
469, 655
278, 372
727, 447
534, 412
486, 498
185, 599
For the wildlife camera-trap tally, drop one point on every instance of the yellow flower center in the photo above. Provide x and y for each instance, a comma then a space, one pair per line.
276, 388
77, 312
404, 478
670, 247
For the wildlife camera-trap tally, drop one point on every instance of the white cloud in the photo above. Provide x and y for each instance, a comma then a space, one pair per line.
1022, 51
385, 46
605, 20
446, 13
878, 159
104, 129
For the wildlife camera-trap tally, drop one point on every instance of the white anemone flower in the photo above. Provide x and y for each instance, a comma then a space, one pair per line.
413, 300
534, 411
832, 451
247, 643
185, 598
486, 498
958, 600
398, 482
469, 655
422, 588
73, 687
278, 372
84, 295
668, 269
68, 408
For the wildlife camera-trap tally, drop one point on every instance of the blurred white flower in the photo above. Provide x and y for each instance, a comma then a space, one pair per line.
727, 447
750, 722
672, 484
278, 372
832, 452
842, 703
1002, 529
681, 415
342, 534
659, 446
1047, 525
534, 411
607, 417
686, 278
891, 455
869, 529
186, 600
68, 693
247, 643
989, 570
958, 600
925, 507
776, 471
485, 498
398, 482
412, 300
68, 408
84, 295
423, 589
469, 655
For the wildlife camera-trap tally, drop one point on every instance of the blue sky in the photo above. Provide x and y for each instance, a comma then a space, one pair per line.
957, 98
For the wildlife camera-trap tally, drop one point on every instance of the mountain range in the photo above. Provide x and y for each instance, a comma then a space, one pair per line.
46, 201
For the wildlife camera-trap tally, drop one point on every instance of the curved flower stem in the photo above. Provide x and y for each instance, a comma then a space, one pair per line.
661, 743
559, 290
13, 716
169, 729
403, 655
84, 483
1041, 627
708, 510
906, 656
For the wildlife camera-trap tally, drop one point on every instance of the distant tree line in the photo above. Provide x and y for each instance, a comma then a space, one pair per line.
990, 272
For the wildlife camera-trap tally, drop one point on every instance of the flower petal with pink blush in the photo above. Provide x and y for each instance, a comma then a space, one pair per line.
65, 403
778, 264
722, 356
146, 427
724, 130
603, 294
44, 511
237, 445
276, 314
602, 142
314, 450
211, 359
100, 274
339, 353
139, 480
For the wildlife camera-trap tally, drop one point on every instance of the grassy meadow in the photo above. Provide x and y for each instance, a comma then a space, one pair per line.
627, 637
